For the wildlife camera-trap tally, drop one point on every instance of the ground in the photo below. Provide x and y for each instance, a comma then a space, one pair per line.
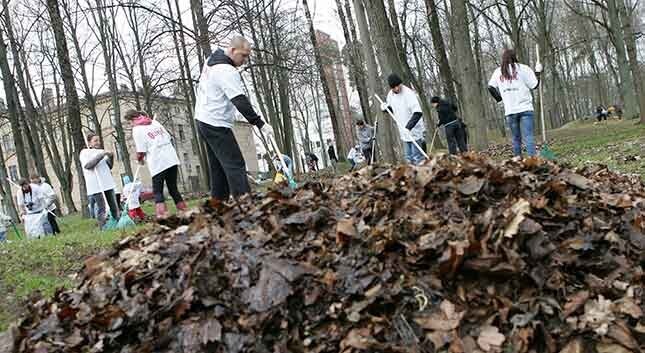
46, 264
26, 266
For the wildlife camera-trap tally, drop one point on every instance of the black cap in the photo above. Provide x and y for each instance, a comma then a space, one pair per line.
394, 80
435, 99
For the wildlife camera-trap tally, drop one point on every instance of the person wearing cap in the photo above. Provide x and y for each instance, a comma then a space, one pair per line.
220, 95
365, 139
402, 101
448, 119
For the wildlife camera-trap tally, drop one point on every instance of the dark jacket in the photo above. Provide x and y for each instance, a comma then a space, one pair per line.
447, 112
365, 136
332, 153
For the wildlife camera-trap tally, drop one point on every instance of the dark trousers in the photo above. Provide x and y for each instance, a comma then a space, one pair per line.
227, 167
100, 204
168, 177
52, 222
456, 136
367, 153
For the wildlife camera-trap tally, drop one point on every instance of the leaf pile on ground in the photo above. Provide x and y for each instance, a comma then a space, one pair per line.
458, 255
505, 150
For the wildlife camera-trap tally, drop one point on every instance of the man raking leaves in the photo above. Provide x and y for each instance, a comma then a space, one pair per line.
219, 95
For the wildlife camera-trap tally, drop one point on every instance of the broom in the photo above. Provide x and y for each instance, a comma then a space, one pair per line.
125, 221
110, 223
545, 151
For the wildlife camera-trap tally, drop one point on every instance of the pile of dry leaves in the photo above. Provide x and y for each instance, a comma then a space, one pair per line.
458, 255
505, 150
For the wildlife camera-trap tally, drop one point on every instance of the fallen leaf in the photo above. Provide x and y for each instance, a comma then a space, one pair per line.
519, 211
598, 315
345, 230
577, 301
611, 348
211, 331
574, 346
489, 337
627, 306
446, 319
470, 185
621, 334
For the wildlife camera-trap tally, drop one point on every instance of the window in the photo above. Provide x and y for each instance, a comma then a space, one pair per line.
187, 162
13, 173
318, 144
180, 131
7, 144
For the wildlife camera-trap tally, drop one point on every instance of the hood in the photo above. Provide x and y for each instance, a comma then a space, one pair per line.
142, 120
219, 57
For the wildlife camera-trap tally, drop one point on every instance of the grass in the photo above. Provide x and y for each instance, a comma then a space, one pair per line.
52, 262
617, 144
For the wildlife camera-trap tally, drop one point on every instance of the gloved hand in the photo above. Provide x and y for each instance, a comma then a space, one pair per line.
538, 67
267, 130
384, 107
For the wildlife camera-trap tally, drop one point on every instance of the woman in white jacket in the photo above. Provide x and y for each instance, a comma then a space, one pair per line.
154, 147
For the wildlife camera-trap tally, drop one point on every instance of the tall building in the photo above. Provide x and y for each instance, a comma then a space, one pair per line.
169, 111
334, 73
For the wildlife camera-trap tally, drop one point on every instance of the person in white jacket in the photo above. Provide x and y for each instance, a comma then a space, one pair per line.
402, 101
511, 84
32, 205
48, 190
220, 95
154, 147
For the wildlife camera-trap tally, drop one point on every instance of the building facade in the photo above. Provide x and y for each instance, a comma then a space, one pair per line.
170, 112
335, 75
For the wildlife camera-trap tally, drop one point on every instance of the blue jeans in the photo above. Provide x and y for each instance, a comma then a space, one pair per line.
412, 153
521, 126
3, 236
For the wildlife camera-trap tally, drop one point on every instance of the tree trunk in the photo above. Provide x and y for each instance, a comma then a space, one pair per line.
445, 72
355, 64
5, 189
107, 42
203, 39
386, 139
626, 85
473, 100
30, 111
73, 105
12, 109
632, 54
189, 98
323, 79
